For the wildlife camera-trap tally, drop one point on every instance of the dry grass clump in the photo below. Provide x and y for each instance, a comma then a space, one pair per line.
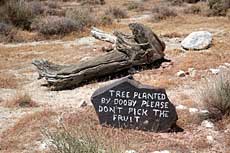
194, 9
67, 141
218, 7
80, 132
92, 2
74, 20
82, 17
228, 14
5, 28
133, 5
181, 2
53, 4
176, 2
8, 81
215, 95
116, 12
191, 1
19, 13
106, 20
52, 25
25, 133
162, 12
21, 100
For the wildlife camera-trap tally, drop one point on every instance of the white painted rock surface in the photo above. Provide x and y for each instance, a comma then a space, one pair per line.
197, 40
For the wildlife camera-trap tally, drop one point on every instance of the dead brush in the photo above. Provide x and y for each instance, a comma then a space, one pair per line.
83, 17
20, 100
162, 12
80, 139
194, 9
218, 7
65, 141
215, 94
116, 12
54, 25
19, 13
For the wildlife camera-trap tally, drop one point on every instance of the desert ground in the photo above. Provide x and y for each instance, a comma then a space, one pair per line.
22, 126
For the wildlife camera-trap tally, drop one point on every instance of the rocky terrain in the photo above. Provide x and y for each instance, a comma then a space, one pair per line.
182, 76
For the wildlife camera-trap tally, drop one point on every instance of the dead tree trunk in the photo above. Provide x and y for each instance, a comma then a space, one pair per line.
128, 52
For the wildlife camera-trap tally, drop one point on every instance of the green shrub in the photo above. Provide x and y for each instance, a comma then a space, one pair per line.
218, 7
52, 25
215, 95
162, 12
116, 12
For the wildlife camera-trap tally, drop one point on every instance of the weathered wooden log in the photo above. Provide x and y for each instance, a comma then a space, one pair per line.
101, 35
143, 47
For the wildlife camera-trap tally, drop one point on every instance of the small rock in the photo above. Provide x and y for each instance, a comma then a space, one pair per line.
210, 139
193, 110
197, 40
130, 151
207, 124
181, 107
215, 71
180, 73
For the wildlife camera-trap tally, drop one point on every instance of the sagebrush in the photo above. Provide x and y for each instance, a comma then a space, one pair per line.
218, 7
116, 12
162, 12
215, 95
53, 25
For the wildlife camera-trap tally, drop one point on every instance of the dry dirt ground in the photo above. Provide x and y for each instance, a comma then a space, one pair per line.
20, 127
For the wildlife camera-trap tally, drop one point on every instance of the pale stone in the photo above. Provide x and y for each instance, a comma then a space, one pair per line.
180, 73
207, 124
197, 40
